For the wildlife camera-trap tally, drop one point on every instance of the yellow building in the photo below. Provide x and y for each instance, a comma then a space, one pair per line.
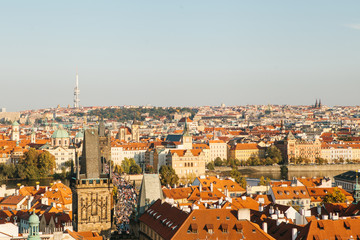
187, 162
243, 151
293, 148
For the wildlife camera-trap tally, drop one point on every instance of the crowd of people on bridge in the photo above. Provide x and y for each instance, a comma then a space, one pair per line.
125, 202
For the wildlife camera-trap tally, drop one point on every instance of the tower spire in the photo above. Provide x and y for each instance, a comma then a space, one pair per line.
76, 91
356, 189
186, 129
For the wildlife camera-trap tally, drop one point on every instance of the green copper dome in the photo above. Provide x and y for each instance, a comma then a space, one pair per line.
15, 123
60, 133
79, 135
34, 219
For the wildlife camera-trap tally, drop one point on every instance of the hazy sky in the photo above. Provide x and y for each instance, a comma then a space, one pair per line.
172, 53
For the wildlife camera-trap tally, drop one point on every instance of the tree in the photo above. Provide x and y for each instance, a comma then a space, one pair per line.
125, 165
284, 172
189, 178
33, 165
218, 162
129, 166
320, 161
335, 196
210, 166
238, 178
118, 169
264, 182
168, 175
7, 171
46, 163
135, 169
253, 160
149, 169
30, 157
114, 192
274, 153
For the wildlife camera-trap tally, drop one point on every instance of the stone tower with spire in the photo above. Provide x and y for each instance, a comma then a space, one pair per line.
356, 189
33, 136
15, 131
186, 138
290, 146
92, 187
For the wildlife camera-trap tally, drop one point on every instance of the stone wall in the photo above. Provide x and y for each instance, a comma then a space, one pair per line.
9, 116
297, 168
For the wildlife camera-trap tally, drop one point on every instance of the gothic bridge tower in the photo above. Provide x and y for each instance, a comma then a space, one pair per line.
92, 188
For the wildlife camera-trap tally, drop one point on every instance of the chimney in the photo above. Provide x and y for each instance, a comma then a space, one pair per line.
277, 211
319, 209
31, 198
226, 192
44, 201
37, 186
261, 208
243, 214
211, 187
294, 233
302, 211
200, 187
264, 226
271, 210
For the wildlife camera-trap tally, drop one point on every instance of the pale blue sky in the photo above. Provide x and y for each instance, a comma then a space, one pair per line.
179, 53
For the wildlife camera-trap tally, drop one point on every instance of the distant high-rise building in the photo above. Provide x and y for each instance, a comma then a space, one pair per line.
76, 92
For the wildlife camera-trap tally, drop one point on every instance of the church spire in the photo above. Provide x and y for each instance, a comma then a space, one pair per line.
186, 129
356, 189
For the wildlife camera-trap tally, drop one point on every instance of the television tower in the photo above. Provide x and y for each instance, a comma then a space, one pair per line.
76, 92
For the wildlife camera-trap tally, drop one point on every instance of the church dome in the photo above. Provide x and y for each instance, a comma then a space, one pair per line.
79, 135
34, 219
60, 133
15, 123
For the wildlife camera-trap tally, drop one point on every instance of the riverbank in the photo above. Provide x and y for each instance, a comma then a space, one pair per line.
295, 168
274, 172
12, 183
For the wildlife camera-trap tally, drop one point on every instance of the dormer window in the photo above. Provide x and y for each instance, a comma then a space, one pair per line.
209, 228
238, 227
193, 228
224, 227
